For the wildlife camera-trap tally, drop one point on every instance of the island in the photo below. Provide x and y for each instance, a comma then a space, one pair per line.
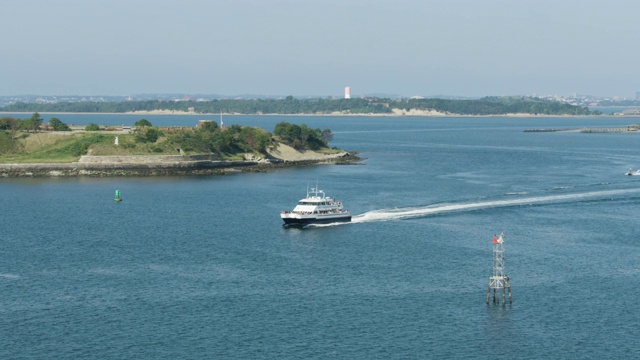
486, 106
29, 148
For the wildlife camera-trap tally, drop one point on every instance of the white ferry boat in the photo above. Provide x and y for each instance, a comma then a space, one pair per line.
316, 208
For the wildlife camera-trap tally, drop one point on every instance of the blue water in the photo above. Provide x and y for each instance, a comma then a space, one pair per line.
200, 267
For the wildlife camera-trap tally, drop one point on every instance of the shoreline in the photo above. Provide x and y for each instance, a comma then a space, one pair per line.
175, 165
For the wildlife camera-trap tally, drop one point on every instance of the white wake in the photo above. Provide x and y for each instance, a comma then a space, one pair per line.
405, 213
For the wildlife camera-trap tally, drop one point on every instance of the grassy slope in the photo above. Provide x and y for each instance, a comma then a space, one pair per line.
58, 147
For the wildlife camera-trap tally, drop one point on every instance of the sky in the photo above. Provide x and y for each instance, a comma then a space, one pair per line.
467, 48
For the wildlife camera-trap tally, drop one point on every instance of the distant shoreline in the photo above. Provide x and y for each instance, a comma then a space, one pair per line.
410, 114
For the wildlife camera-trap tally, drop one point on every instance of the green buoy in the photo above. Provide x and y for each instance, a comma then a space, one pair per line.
118, 198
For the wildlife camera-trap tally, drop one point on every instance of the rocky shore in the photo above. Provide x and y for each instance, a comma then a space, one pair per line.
169, 165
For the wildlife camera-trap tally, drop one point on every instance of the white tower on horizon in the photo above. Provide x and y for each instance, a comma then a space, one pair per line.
347, 92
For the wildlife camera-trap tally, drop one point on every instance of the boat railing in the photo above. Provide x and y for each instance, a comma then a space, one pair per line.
319, 212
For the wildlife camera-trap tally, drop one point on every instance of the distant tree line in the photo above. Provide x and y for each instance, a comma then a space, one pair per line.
494, 106
32, 124
291, 105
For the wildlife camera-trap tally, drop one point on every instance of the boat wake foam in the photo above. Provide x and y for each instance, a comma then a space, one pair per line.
416, 212
9, 276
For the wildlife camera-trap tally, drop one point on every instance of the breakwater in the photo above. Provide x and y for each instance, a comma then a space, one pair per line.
548, 130
589, 130
103, 166
609, 130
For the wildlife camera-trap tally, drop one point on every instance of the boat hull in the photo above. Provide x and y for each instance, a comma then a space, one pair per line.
302, 221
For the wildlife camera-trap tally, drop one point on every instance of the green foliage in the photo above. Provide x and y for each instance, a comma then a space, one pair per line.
32, 124
25, 125
208, 126
153, 134
255, 139
300, 136
8, 123
58, 125
8, 144
226, 141
142, 123
92, 127
191, 141
327, 135
76, 147
35, 122
148, 134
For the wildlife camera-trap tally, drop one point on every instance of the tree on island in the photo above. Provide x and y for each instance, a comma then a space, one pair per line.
208, 137
10, 124
58, 125
208, 126
327, 135
33, 123
92, 127
142, 123
301, 136
147, 134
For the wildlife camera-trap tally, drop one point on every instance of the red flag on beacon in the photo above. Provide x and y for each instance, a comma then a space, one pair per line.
495, 239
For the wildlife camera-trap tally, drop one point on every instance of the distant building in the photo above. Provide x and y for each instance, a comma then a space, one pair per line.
202, 122
347, 92
638, 95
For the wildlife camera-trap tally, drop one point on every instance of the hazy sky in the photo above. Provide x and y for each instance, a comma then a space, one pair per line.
317, 47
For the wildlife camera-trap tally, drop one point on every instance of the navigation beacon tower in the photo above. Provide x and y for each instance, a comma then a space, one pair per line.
499, 280
347, 92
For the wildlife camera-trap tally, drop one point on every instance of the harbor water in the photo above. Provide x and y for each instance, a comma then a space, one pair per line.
201, 267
